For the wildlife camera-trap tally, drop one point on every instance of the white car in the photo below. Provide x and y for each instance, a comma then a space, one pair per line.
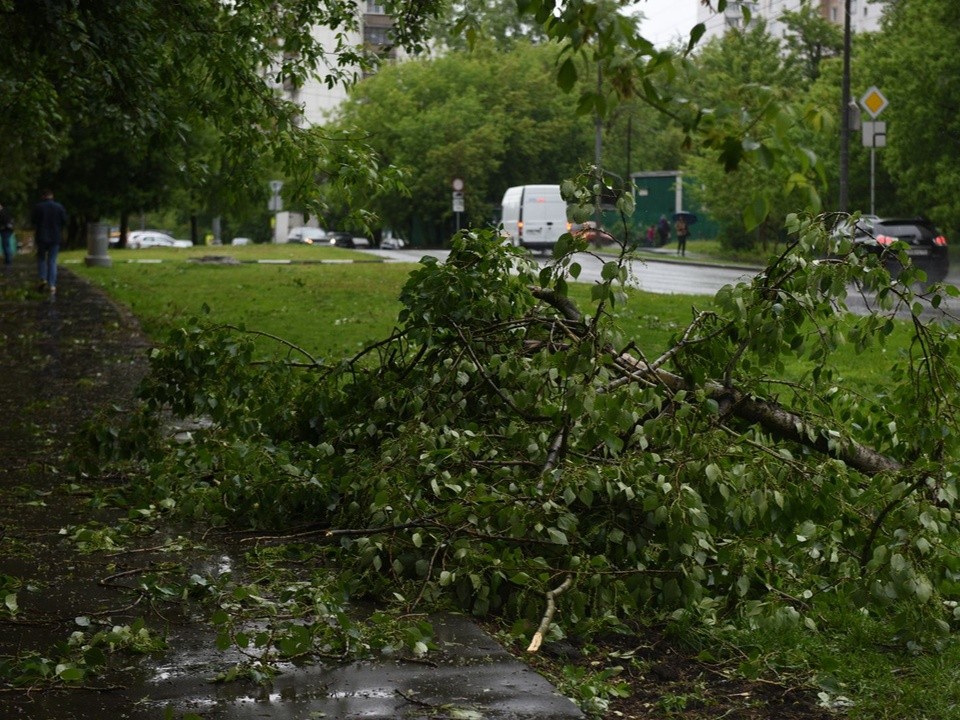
392, 243
308, 236
154, 238
241, 241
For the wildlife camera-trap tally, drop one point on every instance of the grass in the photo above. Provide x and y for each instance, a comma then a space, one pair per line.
327, 309
334, 310
862, 671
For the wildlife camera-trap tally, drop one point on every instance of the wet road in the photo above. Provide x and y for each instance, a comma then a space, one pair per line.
662, 274
647, 272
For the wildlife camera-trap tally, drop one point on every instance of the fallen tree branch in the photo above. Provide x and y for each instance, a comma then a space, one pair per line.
537, 639
771, 416
774, 418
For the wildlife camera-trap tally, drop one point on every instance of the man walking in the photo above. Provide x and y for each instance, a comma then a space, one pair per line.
683, 232
49, 218
6, 235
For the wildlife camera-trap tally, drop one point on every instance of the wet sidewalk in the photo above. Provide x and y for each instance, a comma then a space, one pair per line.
61, 359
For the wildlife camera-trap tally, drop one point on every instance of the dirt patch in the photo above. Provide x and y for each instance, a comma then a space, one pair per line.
670, 681
667, 680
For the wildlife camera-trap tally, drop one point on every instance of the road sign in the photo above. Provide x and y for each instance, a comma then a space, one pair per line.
275, 204
457, 201
457, 184
874, 134
873, 101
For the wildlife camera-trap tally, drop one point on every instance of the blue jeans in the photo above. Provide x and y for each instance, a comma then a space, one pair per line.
6, 239
47, 263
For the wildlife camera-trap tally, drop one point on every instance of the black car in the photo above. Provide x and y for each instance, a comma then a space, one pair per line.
926, 245
341, 239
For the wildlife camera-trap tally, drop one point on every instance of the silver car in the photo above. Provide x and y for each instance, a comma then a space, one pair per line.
154, 238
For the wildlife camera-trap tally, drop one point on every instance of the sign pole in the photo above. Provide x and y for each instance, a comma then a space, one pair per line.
275, 205
458, 205
874, 102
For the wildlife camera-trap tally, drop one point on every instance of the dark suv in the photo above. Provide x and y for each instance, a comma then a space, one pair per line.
926, 246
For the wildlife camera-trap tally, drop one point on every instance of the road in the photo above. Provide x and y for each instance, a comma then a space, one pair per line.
646, 273
668, 277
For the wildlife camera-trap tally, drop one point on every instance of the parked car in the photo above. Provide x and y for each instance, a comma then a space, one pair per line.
307, 235
589, 232
241, 241
154, 238
341, 239
925, 244
390, 242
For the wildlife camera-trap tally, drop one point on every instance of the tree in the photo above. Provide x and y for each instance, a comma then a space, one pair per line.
492, 119
917, 70
503, 444
811, 38
469, 22
151, 69
752, 88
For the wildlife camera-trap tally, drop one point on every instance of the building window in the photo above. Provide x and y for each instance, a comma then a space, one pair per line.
376, 36
374, 8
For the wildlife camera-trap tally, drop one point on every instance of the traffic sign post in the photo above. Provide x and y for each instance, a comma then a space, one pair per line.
874, 134
458, 204
874, 101
275, 204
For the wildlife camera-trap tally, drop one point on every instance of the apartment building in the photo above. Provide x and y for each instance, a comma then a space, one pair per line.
314, 96
317, 100
864, 15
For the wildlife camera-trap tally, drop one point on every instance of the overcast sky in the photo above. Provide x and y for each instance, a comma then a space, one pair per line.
665, 19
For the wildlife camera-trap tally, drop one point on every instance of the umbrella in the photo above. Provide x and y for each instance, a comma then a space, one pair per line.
688, 217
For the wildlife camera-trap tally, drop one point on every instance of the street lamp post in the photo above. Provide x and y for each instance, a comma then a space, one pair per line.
844, 200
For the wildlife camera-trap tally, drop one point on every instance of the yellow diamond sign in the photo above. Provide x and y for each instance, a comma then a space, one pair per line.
873, 102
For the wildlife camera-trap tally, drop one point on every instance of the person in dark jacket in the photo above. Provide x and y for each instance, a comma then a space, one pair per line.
49, 218
6, 235
663, 230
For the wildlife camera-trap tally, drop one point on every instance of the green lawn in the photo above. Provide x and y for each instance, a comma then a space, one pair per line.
328, 309
334, 310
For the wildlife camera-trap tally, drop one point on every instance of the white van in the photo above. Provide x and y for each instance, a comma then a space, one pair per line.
534, 216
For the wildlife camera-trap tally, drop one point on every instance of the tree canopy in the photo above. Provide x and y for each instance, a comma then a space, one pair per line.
143, 76
504, 445
919, 73
493, 119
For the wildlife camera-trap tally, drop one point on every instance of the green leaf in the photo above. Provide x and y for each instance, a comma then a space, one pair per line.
558, 537
70, 673
567, 75
695, 34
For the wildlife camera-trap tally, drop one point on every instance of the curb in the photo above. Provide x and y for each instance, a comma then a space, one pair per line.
208, 261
